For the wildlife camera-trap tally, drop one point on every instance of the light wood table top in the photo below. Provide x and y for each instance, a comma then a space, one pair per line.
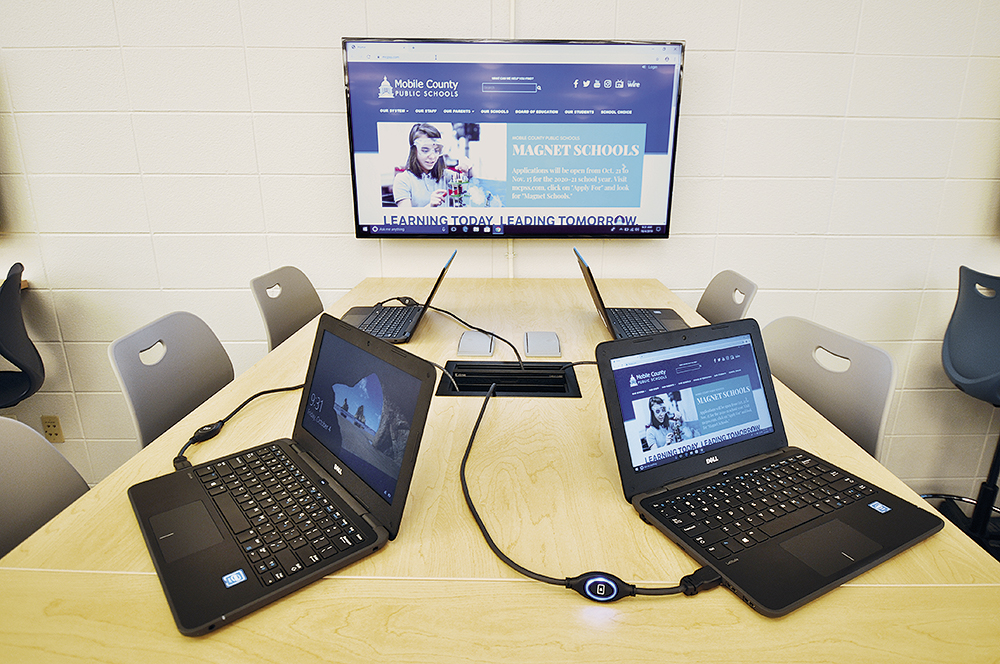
544, 477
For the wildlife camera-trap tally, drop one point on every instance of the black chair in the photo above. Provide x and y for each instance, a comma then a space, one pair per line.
970, 354
15, 346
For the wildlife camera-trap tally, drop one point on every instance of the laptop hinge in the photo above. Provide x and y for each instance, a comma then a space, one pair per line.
332, 483
719, 472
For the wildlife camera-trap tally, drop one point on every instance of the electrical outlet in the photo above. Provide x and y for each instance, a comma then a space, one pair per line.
52, 428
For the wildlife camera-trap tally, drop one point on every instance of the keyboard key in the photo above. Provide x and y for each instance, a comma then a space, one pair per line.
308, 556
732, 545
789, 521
718, 551
288, 561
232, 513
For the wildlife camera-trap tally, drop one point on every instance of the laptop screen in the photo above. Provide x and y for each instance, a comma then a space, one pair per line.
361, 409
691, 399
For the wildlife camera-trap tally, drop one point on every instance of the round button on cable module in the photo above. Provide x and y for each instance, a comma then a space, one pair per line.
601, 586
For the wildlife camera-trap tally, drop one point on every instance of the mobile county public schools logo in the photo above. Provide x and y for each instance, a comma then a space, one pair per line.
385, 89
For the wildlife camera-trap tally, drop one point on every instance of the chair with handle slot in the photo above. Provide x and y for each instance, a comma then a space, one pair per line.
849, 381
167, 369
287, 300
727, 297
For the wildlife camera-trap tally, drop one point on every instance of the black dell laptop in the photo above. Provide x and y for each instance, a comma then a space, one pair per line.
703, 457
629, 322
394, 324
233, 534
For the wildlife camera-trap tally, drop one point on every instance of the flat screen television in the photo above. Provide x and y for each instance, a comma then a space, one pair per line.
513, 138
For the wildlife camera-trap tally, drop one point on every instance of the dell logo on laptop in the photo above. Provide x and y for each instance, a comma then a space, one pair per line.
712, 459
336, 467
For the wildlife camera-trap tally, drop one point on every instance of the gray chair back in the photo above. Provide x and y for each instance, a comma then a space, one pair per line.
727, 297
850, 382
167, 369
36, 483
287, 301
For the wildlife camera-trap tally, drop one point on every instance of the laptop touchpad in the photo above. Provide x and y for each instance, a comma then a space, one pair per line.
357, 315
831, 547
184, 530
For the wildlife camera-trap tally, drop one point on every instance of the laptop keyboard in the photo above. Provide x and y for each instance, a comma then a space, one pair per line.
739, 512
282, 522
635, 322
388, 322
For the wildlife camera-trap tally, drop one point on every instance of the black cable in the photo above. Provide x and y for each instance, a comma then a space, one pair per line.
475, 514
404, 300
959, 499
448, 374
520, 362
410, 302
212, 430
577, 364
597, 586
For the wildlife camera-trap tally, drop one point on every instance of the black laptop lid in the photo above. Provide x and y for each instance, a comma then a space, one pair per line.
686, 402
588, 277
434, 290
362, 415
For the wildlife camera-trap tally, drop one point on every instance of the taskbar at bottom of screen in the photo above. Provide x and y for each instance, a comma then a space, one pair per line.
509, 231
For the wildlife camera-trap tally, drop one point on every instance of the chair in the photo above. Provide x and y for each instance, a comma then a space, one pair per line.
167, 369
848, 381
727, 297
15, 346
287, 301
970, 354
36, 483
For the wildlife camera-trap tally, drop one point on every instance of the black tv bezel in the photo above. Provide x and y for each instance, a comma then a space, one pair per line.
528, 231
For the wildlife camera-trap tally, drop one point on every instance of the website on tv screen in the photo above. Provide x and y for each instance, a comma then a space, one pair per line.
516, 139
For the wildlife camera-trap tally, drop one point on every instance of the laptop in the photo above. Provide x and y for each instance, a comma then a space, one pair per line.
703, 457
629, 322
233, 534
394, 324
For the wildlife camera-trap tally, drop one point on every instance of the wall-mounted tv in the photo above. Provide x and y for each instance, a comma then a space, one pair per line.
512, 139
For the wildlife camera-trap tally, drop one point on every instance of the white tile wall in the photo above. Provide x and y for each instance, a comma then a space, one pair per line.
157, 154
776, 25
187, 79
70, 79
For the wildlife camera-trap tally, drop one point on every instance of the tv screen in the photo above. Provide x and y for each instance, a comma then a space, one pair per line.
512, 139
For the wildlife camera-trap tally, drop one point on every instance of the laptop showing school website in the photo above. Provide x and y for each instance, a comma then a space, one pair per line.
231, 535
703, 456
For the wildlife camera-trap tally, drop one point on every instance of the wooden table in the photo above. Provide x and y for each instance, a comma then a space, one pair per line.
544, 477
